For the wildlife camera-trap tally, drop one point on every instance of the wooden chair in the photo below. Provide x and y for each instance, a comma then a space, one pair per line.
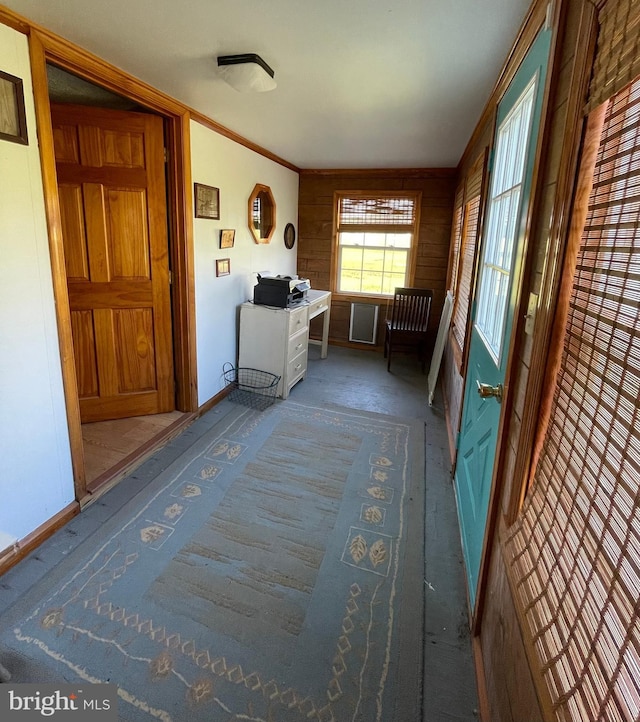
408, 324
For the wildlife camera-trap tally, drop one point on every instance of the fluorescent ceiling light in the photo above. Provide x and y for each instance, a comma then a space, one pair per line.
246, 73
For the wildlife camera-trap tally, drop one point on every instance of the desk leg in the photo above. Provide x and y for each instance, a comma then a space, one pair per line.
325, 332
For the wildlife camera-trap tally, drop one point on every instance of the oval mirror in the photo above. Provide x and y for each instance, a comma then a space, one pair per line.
262, 214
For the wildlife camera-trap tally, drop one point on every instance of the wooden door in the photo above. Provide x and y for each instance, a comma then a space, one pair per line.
111, 182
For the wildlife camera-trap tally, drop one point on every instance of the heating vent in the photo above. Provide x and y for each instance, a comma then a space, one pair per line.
363, 326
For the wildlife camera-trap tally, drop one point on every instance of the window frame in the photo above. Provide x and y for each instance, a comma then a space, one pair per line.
373, 228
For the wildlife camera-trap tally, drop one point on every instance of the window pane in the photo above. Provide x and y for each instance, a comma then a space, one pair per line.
374, 239
504, 210
372, 260
350, 281
372, 282
351, 239
352, 258
392, 281
399, 240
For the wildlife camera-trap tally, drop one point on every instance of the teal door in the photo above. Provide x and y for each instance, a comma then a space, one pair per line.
517, 126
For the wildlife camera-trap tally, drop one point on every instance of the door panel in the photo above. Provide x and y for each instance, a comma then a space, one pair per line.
517, 124
133, 328
75, 241
84, 348
127, 235
110, 167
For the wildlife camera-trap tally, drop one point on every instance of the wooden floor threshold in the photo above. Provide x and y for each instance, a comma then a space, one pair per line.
112, 476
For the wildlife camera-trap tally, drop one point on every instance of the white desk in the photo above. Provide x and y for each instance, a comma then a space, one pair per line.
320, 302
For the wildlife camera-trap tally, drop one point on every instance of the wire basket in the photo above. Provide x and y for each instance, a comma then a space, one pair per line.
251, 387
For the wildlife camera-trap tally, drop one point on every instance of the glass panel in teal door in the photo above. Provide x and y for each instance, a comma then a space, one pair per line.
517, 125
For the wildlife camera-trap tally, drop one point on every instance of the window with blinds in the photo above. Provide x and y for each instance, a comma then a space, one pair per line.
375, 241
574, 552
456, 239
469, 244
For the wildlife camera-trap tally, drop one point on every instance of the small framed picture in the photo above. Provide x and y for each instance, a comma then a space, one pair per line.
13, 122
223, 267
207, 201
227, 237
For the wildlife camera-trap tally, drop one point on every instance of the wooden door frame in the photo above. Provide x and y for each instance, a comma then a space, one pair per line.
46, 47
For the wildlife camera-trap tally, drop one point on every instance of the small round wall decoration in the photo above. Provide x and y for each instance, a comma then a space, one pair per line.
289, 235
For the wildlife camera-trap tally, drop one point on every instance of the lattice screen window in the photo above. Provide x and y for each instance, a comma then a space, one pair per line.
375, 236
469, 244
574, 553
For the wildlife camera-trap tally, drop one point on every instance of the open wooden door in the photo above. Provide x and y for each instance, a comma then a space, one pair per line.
111, 183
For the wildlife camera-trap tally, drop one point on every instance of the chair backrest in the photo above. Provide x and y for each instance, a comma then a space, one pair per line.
411, 308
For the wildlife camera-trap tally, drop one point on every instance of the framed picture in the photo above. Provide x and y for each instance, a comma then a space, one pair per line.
207, 201
227, 237
223, 267
13, 122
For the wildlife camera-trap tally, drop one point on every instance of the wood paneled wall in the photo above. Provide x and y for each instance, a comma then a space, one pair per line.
316, 207
508, 677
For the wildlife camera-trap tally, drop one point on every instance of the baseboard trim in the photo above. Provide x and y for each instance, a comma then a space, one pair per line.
214, 400
10, 557
19, 550
481, 681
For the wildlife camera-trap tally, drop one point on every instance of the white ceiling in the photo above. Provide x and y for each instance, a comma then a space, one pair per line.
361, 83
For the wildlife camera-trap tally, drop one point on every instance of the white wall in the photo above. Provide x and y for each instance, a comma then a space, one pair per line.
36, 479
235, 170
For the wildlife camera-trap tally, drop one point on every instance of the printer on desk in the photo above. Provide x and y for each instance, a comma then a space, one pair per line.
280, 291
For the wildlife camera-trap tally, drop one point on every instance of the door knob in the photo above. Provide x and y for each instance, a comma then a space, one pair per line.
486, 391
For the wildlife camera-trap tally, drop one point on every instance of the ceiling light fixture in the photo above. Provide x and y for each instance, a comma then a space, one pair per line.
246, 73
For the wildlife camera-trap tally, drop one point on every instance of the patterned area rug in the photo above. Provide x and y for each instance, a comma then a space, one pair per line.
273, 573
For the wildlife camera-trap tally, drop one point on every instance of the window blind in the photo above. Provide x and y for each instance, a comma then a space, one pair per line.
469, 245
456, 239
617, 60
363, 211
574, 552
461, 309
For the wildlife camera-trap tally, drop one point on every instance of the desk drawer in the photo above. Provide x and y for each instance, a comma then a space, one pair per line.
297, 344
297, 320
297, 367
318, 306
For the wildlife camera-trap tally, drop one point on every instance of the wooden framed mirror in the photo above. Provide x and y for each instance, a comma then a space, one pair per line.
262, 214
